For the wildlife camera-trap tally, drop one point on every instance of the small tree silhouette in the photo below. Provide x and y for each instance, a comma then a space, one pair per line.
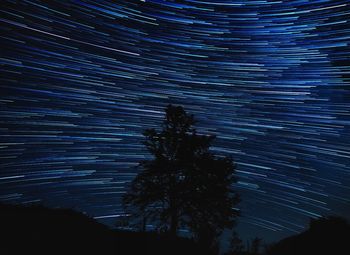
236, 245
184, 184
256, 245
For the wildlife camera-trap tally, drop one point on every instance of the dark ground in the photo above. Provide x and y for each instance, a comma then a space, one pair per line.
39, 230
330, 236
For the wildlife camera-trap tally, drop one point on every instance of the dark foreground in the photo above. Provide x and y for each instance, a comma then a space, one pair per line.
39, 230
329, 236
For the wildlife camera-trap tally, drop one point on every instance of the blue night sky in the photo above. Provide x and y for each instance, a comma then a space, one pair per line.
81, 80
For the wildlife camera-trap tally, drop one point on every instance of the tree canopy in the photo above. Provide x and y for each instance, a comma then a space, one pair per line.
184, 184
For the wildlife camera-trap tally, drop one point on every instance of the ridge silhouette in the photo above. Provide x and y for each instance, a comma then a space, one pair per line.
40, 230
328, 235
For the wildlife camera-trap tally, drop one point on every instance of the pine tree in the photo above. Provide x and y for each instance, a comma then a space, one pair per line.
184, 184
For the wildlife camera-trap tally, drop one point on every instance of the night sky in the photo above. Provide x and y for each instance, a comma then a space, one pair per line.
81, 80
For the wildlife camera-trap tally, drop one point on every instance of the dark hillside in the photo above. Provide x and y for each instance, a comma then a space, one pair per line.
329, 235
39, 230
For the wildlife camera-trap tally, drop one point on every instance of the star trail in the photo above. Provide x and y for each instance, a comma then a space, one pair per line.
81, 80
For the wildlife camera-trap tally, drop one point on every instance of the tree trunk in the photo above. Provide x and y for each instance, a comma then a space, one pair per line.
174, 221
144, 222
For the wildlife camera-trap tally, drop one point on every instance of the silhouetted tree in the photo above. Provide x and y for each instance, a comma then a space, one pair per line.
236, 245
256, 245
184, 184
